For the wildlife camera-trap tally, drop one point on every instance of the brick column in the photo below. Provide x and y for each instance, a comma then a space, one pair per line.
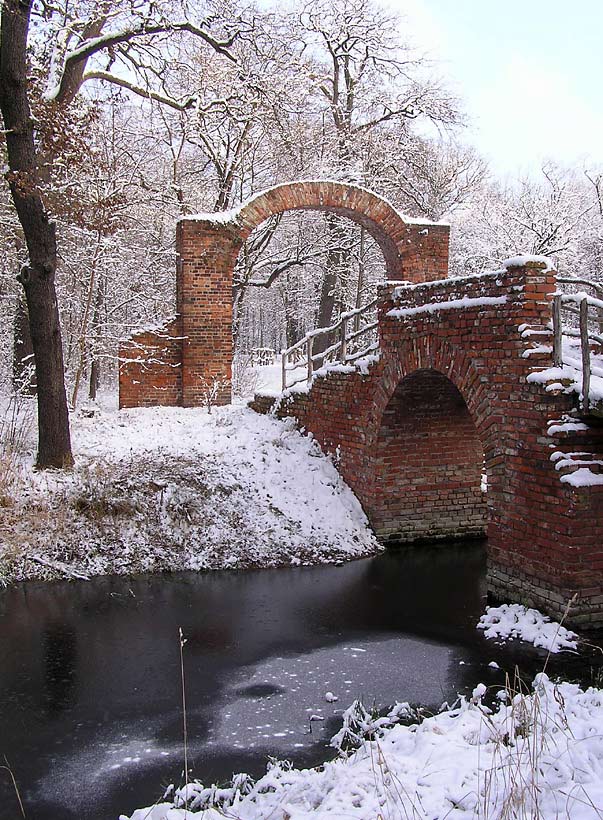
207, 253
424, 252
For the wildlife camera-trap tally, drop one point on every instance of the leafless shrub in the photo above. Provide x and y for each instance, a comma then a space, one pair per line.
244, 376
212, 387
15, 427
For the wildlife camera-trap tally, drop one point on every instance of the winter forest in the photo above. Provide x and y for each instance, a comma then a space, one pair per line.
143, 112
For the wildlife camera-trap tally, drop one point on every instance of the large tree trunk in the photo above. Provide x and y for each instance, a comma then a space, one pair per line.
54, 445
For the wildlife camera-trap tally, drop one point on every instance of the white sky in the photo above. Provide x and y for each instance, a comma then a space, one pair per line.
530, 73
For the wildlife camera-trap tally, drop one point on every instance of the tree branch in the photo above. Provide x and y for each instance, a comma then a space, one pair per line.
106, 76
75, 62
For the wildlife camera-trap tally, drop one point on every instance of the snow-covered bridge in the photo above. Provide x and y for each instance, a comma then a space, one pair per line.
461, 395
441, 389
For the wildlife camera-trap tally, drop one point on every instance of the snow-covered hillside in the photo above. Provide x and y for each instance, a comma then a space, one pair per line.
173, 488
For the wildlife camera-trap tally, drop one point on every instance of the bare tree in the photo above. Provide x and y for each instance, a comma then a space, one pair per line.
369, 79
98, 41
554, 214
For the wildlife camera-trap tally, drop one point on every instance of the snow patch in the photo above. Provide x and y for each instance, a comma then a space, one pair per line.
525, 259
453, 304
583, 477
536, 755
515, 621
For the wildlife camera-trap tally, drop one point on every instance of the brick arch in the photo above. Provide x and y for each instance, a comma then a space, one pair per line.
450, 433
388, 228
433, 353
426, 464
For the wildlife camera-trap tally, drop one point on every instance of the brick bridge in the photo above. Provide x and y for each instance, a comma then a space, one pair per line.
459, 388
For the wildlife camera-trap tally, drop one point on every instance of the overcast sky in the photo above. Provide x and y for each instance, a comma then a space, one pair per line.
530, 72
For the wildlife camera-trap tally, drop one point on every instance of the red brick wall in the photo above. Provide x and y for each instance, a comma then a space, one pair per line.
150, 367
545, 537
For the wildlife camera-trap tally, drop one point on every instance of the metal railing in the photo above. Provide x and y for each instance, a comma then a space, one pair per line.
587, 313
353, 336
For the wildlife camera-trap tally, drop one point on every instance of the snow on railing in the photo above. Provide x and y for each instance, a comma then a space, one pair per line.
589, 310
351, 337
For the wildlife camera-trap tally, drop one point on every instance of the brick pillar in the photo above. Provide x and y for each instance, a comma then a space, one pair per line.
540, 285
207, 253
424, 252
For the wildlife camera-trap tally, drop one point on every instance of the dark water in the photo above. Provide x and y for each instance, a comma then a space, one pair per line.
90, 684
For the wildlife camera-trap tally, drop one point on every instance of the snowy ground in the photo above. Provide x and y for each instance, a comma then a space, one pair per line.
537, 755
173, 488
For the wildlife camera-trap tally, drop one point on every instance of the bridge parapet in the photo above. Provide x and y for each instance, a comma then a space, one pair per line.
526, 284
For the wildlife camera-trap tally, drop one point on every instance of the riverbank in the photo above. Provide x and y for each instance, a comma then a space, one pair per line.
164, 489
538, 754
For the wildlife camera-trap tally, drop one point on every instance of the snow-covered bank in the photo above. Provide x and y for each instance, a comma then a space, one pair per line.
173, 488
536, 755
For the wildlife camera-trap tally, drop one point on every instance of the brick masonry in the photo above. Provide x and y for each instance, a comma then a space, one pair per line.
442, 494
448, 394
151, 367
207, 248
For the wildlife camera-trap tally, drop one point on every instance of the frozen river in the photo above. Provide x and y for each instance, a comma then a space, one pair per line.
90, 687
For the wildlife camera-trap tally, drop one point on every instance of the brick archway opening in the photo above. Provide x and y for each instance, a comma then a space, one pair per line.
178, 362
428, 464
294, 292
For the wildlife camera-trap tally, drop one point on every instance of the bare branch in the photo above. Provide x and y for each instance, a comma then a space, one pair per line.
75, 62
147, 93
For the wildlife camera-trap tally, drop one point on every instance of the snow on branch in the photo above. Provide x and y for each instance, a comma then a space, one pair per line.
72, 75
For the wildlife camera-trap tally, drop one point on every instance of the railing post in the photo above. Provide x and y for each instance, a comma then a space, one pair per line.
585, 354
284, 370
310, 346
557, 336
343, 342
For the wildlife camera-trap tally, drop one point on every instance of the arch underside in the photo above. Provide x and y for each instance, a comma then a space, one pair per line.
386, 244
427, 465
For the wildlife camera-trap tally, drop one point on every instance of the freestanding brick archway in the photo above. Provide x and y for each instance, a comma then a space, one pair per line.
455, 388
167, 365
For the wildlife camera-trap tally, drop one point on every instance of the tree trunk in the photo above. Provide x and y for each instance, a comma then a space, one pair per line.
337, 259
95, 371
360, 283
83, 337
54, 444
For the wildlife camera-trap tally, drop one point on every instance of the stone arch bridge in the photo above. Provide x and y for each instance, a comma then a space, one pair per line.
459, 391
